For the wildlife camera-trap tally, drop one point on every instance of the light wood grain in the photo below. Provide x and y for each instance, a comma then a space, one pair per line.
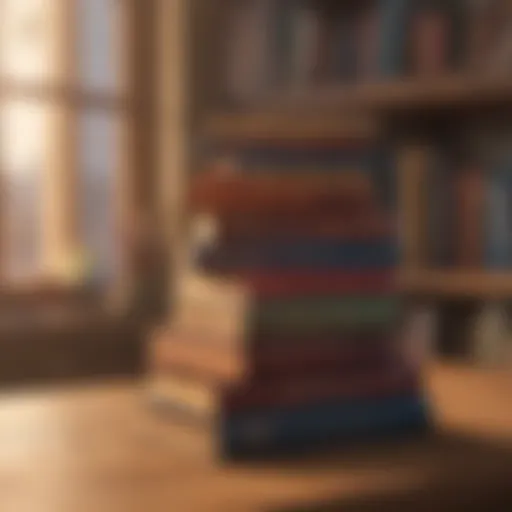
100, 448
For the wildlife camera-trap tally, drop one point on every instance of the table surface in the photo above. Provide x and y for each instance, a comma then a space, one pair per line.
97, 448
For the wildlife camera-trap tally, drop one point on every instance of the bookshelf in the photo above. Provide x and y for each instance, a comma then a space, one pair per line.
223, 100
450, 92
456, 284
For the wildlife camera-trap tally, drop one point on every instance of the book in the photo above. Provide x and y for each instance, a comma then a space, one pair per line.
181, 355
264, 358
352, 224
345, 51
368, 26
228, 312
249, 68
212, 400
470, 201
324, 254
441, 216
395, 15
498, 218
312, 425
319, 283
283, 41
305, 316
326, 43
490, 44
430, 33
306, 27
212, 308
267, 195
414, 163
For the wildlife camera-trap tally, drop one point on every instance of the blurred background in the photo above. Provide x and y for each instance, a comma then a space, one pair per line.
110, 109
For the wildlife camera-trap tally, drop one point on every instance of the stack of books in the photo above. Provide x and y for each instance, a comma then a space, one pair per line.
286, 332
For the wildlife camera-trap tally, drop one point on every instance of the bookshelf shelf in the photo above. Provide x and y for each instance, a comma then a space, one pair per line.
254, 124
457, 283
404, 95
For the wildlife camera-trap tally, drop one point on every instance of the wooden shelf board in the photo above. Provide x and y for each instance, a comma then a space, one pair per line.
457, 283
454, 91
290, 125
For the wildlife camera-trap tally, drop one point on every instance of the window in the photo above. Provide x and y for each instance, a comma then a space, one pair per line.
65, 110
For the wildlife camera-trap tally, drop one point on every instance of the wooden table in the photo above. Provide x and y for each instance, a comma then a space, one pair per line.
99, 449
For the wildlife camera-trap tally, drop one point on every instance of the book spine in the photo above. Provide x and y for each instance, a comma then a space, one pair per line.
301, 427
430, 43
283, 14
368, 28
325, 357
440, 212
182, 355
371, 256
303, 390
483, 21
499, 220
394, 17
306, 36
470, 212
272, 194
348, 226
323, 314
325, 49
345, 61
286, 284
413, 167
247, 74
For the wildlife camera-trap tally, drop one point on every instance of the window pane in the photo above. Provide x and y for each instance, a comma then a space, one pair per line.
99, 35
28, 38
24, 137
98, 164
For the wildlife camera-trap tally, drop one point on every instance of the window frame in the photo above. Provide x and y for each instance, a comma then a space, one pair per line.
135, 168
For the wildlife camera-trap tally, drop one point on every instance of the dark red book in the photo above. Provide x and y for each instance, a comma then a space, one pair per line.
349, 224
301, 391
429, 50
469, 210
282, 284
321, 356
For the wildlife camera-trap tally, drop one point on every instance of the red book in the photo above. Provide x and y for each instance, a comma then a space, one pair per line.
350, 224
321, 357
282, 284
430, 43
274, 194
300, 391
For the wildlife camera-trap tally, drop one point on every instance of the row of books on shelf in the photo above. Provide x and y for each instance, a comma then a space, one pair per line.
462, 207
296, 44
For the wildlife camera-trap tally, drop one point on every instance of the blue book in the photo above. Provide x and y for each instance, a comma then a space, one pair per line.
498, 225
394, 19
303, 427
345, 53
375, 255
